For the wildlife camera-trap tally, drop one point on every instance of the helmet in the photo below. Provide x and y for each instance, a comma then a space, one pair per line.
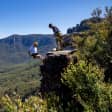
35, 44
50, 25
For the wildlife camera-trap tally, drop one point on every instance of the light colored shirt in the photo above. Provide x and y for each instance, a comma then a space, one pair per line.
33, 50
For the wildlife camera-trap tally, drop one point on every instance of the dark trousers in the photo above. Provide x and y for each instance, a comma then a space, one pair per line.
59, 41
34, 55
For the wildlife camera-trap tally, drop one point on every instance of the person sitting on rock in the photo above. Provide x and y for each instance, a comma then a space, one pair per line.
59, 37
33, 51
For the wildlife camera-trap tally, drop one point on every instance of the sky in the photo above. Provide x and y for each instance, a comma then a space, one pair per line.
33, 16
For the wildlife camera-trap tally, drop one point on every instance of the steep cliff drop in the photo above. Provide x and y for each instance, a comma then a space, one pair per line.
53, 66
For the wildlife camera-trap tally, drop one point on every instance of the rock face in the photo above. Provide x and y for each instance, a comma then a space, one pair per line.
84, 26
51, 70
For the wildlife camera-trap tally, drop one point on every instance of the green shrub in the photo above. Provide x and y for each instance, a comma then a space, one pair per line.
88, 89
32, 104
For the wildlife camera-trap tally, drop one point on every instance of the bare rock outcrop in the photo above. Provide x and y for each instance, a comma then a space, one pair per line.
52, 69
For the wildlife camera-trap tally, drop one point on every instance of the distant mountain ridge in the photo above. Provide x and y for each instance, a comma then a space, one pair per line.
14, 48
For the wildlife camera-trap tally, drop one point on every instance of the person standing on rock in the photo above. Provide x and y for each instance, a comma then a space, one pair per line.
59, 37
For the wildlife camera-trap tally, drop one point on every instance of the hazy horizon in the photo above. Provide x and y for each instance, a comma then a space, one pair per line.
25, 34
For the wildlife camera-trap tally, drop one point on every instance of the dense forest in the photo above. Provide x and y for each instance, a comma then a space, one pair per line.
88, 82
